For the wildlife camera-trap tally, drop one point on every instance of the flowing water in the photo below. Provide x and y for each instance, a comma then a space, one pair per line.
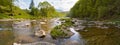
24, 30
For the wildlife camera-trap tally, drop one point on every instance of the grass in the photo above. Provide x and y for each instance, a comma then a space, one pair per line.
6, 37
68, 22
60, 31
17, 13
57, 32
3, 16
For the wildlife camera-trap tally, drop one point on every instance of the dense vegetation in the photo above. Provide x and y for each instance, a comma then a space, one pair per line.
62, 31
44, 10
8, 10
57, 32
96, 9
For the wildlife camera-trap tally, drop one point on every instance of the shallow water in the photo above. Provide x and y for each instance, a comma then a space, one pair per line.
24, 29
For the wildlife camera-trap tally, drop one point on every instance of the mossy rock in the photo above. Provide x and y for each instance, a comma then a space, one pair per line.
59, 32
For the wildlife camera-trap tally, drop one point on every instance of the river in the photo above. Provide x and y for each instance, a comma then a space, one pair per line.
24, 30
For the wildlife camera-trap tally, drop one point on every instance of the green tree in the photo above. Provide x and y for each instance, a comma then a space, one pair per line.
31, 4
95, 9
33, 10
46, 9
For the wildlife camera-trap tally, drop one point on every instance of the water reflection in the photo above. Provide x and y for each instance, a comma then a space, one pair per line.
76, 35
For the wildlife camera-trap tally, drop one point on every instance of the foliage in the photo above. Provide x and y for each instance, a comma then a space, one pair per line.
31, 5
8, 10
18, 13
96, 9
44, 10
47, 10
57, 32
5, 2
68, 22
61, 31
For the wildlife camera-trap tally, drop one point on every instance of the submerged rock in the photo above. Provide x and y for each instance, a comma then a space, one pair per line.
70, 42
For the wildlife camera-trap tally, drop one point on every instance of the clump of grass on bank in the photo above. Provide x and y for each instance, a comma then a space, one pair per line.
68, 22
15, 13
57, 32
6, 37
61, 30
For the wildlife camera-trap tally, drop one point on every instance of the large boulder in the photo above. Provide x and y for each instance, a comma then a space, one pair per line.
40, 33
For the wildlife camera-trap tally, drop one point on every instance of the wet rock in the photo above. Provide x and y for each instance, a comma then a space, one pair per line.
79, 28
104, 27
39, 43
40, 33
118, 26
42, 22
16, 44
98, 26
57, 32
99, 23
86, 30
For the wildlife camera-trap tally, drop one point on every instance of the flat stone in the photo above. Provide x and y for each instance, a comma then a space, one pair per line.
39, 43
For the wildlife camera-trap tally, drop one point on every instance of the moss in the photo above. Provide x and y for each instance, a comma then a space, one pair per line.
57, 32
68, 22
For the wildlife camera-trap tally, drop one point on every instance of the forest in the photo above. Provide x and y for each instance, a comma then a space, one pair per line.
96, 9
43, 10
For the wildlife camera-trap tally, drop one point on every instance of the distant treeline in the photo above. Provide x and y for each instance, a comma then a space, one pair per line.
96, 9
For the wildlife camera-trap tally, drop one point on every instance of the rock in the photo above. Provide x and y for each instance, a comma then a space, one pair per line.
118, 26
99, 23
86, 30
42, 23
104, 27
40, 33
16, 44
79, 28
98, 26
39, 43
